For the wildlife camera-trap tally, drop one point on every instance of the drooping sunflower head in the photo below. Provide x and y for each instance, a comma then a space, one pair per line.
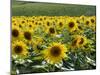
19, 48
71, 25
55, 53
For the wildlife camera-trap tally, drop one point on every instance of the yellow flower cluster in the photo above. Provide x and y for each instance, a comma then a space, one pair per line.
40, 33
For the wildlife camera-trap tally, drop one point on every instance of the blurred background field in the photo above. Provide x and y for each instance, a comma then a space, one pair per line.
50, 9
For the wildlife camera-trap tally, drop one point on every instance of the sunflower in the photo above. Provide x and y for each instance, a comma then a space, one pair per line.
44, 18
21, 26
80, 29
71, 25
36, 23
23, 21
55, 53
93, 23
15, 32
79, 41
82, 17
32, 20
40, 23
87, 22
14, 23
60, 24
41, 18
27, 35
31, 26
93, 20
19, 48
33, 17
14, 20
48, 23
51, 30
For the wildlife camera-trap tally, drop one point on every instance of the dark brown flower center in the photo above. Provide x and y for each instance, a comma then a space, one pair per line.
52, 30
81, 41
48, 24
27, 35
40, 19
71, 24
20, 25
80, 27
92, 20
27, 20
87, 22
39, 23
36, 23
23, 21
55, 51
15, 24
78, 21
30, 25
60, 24
15, 32
33, 21
44, 18
74, 42
18, 49
83, 18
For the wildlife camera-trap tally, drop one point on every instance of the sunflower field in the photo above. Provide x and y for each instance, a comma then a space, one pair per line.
53, 43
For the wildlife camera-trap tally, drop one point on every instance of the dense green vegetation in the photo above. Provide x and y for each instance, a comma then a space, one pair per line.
34, 8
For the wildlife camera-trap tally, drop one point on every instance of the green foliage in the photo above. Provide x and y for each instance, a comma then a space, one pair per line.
48, 9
